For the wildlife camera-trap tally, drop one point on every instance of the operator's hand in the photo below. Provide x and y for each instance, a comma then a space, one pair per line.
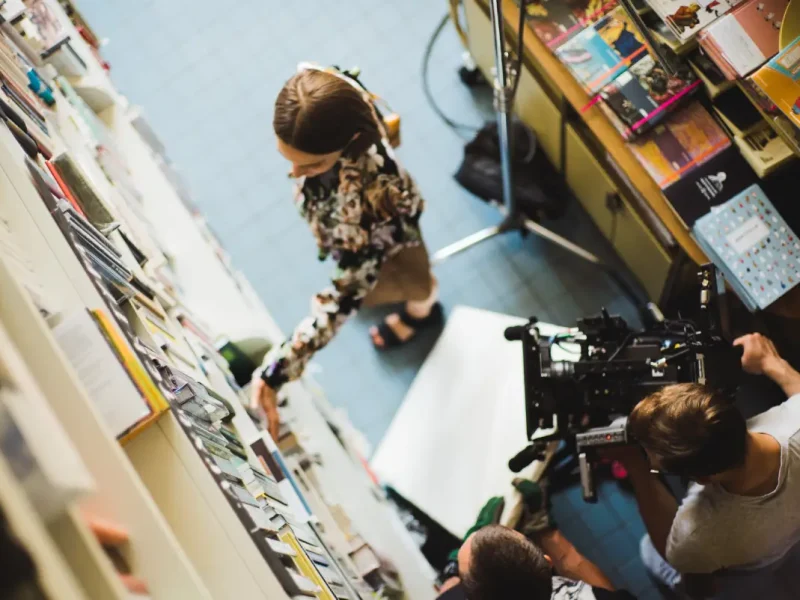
631, 456
760, 356
264, 397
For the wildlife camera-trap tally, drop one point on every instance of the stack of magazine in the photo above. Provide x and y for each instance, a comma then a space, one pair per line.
607, 54
96, 250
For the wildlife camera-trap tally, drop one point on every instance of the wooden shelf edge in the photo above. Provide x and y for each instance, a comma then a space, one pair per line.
142, 426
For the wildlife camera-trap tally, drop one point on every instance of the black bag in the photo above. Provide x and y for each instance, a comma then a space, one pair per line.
538, 187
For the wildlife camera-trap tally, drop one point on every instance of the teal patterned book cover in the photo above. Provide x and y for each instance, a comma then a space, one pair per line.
756, 249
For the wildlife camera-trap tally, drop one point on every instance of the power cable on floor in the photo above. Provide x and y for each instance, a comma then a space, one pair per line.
456, 126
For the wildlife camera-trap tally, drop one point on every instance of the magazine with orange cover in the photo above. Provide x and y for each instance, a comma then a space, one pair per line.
687, 140
779, 79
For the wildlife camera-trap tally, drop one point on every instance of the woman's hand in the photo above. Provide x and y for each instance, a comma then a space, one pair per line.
265, 398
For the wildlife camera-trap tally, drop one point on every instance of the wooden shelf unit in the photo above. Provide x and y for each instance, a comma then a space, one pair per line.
553, 85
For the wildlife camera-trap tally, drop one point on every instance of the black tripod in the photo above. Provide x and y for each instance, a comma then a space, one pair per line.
514, 220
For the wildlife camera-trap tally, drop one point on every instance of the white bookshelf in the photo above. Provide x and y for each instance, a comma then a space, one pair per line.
66, 557
120, 496
55, 576
159, 471
215, 540
185, 539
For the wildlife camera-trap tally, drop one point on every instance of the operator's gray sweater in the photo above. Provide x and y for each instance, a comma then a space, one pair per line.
753, 543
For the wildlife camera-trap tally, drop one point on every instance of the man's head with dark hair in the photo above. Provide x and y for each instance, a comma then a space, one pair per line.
688, 429
499, 563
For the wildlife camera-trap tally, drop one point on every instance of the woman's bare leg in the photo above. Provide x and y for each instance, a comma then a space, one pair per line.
418, 309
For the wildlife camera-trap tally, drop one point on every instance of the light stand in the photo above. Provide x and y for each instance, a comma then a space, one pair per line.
513, 219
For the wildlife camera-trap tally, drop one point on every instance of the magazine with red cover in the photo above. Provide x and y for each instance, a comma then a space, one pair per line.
644, 94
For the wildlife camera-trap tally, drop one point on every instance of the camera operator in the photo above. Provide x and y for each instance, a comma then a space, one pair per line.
499, 562
737, 532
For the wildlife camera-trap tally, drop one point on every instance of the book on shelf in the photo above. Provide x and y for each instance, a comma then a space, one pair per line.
779, 80
771, 113
41, 25
132, 361
750, 242
757, 139
599, 53
644, 94
77, 184
111, 381
556, 21
687, 140
65, 192
710, 184
745, 38
686, 19
11, 10
14, 69
97, 255
282, 548
706, 69
764, 149
736, 112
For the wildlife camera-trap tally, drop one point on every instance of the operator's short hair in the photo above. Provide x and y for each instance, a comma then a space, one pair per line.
506, 565
692, 430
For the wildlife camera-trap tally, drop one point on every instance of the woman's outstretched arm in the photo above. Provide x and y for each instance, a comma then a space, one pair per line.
353, 279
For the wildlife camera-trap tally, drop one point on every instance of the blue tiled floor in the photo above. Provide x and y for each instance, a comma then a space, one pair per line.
207, 72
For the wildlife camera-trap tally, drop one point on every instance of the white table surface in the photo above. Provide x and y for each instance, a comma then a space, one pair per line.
448, 446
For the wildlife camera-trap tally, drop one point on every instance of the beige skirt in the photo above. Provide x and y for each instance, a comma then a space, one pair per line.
406, 276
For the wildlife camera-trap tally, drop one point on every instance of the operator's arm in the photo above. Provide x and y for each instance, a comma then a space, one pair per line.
760, 357
657, 505
570, 563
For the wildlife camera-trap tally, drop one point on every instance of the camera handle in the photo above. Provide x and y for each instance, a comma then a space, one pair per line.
587, 443
586, 470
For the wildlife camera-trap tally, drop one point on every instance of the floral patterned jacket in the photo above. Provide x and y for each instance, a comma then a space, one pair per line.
362, 211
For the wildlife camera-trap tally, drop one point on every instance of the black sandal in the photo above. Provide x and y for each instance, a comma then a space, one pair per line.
389, 337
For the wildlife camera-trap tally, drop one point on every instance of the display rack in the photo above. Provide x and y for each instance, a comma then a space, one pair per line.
580, 139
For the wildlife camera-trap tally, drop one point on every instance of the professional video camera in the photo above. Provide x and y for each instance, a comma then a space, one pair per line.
585, 401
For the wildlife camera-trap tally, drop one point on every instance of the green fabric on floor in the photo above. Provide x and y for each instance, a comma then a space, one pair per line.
489, 515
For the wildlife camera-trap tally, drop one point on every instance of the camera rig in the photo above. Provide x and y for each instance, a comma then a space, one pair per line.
585, 401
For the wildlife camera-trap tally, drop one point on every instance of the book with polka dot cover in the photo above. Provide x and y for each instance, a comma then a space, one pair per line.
757, 251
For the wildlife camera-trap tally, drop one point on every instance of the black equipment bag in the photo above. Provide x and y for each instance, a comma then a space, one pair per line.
538, 187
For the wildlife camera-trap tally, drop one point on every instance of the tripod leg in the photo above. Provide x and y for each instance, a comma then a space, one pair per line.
464, 244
